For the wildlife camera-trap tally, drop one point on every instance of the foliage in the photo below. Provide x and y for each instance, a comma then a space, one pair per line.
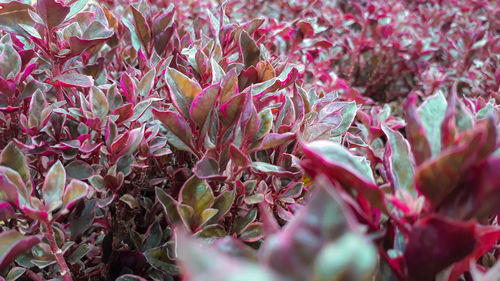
264, 140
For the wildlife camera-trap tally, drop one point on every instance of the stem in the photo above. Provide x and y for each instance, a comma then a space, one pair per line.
58, 254
33, 276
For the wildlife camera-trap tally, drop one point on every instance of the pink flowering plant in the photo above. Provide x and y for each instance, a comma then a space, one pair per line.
249, 140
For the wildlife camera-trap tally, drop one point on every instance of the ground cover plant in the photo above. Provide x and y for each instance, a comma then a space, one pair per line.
249, 140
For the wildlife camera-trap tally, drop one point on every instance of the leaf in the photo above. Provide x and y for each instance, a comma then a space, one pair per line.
197, 194
52, 13
338, 164
76, 7
13, 158
208, 168
98, 102
349, 258
80, 252
182, 90
222, 203
203, 263
348, 112
237, 156
74, 191
141, 26
272, 140
252, 233
79, 169
130, 277
53, 187
211, 231
415, 132
432, 113
75, 80
15, 273
158, 258
445, 241
13, 244
270, 168
146, 83
129, 200
169, 205
6, 210
10, 62
230, 111
128, 87
249, 50
176, 124
438, 177
322, 220
397, 161
207, 214
203, 104
13, 14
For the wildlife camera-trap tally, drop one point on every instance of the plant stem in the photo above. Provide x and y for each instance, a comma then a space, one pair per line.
33, 276
58, 254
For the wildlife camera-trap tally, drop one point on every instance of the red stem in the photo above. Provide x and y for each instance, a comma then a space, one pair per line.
58, 254
33, 276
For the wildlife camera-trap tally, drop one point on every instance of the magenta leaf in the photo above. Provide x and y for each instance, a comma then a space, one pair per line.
443, 240
52, 12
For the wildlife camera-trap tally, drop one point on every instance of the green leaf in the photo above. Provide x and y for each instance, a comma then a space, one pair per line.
207, 214
350, 257
223, 203
182, 90
98, 102
205, 263
146, 83
211, 231
129, 200
197, 194
78, 169
159, 259
153, 236
15, 273
13, 158
253, 232
399, 166
10, 62
79, 253
75, 80
13, 244
432, 113
74, 191
348, 112
321, 221
169, 205
76, 7
53, 187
